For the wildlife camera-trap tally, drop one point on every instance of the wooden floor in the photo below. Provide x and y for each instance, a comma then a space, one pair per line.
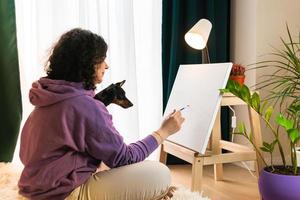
238, 184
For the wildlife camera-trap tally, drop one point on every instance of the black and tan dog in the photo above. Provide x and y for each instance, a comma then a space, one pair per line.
114, 94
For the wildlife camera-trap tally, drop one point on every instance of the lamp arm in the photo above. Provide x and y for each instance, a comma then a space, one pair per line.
205, 56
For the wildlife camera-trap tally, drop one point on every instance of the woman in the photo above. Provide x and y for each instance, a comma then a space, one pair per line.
69, 133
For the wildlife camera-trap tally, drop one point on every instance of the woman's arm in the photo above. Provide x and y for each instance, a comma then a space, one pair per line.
107, 144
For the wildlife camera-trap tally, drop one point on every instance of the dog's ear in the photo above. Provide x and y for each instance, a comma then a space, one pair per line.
121, 83
109, 87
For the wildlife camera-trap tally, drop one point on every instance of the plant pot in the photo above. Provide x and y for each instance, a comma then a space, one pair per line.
278, 187
239, 79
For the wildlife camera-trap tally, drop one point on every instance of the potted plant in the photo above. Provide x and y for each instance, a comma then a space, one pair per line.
237, 73
277, 182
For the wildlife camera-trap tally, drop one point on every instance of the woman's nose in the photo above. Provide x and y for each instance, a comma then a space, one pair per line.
106, 66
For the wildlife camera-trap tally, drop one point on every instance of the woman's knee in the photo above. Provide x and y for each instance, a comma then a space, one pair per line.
145, 173
157, 172
157, 168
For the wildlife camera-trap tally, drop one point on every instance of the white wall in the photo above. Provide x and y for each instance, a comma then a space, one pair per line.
256, 27
272, 17
243, 35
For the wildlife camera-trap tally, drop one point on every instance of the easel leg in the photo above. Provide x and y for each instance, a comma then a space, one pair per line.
197, 173
216, 137
162, 155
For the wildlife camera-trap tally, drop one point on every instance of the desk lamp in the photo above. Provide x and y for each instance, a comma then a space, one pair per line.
197, 38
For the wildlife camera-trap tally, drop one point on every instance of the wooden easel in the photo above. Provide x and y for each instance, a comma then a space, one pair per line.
213, 155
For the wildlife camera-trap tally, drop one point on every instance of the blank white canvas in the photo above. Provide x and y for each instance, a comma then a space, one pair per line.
197, 86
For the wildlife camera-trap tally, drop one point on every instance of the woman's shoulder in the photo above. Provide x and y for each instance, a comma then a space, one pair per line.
89, 105
92, 111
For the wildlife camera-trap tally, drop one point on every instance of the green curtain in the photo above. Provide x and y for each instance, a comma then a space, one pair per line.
178, 17
10, 99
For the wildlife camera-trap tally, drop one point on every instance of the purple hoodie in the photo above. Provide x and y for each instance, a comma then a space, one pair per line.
66, 137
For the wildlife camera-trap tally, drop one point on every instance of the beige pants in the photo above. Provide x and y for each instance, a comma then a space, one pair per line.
147, 180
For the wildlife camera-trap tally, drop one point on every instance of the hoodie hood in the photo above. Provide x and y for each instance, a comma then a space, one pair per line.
45, 92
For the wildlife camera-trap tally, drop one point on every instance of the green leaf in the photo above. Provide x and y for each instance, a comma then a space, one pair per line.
264, 105
238, 133
294, 108
265, 149
267, 145
245, 94
230, 85
224, 91
293, 134
242, 127
234, 88
255, 101
284, 122
268, 113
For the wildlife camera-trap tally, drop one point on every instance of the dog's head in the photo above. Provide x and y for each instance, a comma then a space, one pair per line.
114, 94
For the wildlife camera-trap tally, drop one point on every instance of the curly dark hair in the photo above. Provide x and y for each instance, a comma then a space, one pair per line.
74, 56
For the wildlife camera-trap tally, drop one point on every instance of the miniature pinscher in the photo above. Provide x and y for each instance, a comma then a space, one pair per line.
114, 94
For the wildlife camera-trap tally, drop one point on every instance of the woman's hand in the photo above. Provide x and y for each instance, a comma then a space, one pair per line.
170, 125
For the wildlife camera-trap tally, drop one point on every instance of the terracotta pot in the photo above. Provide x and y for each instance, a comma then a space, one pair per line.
239, 79
278, 187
